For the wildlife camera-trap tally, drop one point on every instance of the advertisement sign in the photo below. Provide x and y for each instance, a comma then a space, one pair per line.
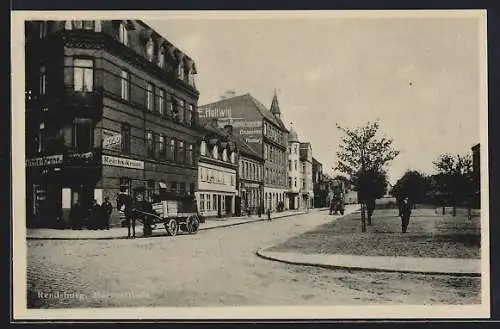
111, 140
51, 160
122, 162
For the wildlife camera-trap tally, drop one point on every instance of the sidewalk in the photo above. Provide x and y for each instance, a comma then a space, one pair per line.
121, 232
450, 266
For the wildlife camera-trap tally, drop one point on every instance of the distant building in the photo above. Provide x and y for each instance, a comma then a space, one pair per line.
264, 132
294, 171
110, 105
306, 181
217, 165
476, 174
319, 187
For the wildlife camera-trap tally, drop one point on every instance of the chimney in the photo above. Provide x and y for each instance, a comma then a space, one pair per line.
229, 129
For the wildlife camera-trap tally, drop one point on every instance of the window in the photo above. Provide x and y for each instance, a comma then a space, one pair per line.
295, 165
208, 203
161, 57
83, 134
160, 101
170, 107
191, 188
180, 110
290, 165
232, 180
171, 150
157, 146
295, 148
83, 75
125, 137
149, 97
43, 80
123, 34
214, 203
295, 181
233, 157
202, 202
289, 181
125, 184
150, 50
182, 187
189, 115
161, 146
215, 152
189, 155
125, 85
174, 187
203, 148
180, 152
149, 143
41, 137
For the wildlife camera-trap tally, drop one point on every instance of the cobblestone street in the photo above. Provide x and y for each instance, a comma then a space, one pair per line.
217, 268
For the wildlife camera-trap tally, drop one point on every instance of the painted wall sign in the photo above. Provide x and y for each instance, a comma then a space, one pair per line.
51, 160
215, 112
111, 140
122, 162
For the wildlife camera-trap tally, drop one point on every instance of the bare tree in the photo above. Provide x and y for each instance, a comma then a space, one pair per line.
362, 154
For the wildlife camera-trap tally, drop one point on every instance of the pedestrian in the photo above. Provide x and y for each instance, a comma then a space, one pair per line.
405, 214
95, 217
143, 207
107, 210
124, 204
269, 214
76, 216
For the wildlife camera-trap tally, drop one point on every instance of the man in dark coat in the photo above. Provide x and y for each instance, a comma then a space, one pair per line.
107, 210
76, 216
95, 217
124, 203
142, 206
405, 214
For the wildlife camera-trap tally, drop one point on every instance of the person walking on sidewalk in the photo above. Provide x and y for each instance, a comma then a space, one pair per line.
405, 214
107, 210
269, 214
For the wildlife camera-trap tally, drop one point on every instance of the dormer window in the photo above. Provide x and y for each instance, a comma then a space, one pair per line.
161, 57
123, 34
180, 71
150, 50
233, 157
215, 152
224, 155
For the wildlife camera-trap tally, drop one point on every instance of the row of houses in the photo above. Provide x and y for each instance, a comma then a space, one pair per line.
113, 105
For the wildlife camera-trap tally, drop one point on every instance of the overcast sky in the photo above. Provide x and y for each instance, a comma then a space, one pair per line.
419, 76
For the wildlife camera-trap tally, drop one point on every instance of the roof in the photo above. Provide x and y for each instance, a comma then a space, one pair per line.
293, 137
267, 113
275, 106
246, 149
210, 125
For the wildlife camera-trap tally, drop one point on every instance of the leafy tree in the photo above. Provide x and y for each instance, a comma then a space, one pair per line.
455, 174
362, 156
371, 184
413, 185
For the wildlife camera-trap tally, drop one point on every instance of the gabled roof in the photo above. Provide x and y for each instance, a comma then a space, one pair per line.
267, 114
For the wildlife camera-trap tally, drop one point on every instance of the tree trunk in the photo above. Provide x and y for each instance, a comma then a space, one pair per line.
363, 217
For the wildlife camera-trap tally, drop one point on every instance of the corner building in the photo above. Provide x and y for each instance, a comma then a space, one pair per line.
110, 104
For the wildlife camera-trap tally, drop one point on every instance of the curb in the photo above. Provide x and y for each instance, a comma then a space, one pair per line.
163, 235
261, 253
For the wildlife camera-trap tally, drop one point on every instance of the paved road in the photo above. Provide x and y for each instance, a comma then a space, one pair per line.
217, 268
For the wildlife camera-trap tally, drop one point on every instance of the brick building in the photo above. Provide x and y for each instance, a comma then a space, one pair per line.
263, 130
110, 104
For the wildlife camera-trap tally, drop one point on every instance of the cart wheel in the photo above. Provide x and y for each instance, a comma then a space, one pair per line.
193, 224
172, 227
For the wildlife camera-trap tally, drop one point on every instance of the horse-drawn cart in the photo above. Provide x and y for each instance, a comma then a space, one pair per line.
173, 213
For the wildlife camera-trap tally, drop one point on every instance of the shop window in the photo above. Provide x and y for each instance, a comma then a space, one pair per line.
83, 133
123, 34
125, 84
150, 97
202, 202
83, 75
126, 136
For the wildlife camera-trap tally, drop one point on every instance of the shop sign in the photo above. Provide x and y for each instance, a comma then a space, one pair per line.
45, 161
111, 140
250, 185
122, 162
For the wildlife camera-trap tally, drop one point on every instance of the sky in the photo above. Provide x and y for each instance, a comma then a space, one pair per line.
419, 76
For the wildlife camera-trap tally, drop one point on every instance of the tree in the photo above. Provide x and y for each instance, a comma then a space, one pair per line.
413, 185
371, 184
362, 156
455, 174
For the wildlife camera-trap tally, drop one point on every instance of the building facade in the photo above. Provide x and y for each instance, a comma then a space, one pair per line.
263, 131
319, 187
306, 188
110, 105
217, 165
294, 169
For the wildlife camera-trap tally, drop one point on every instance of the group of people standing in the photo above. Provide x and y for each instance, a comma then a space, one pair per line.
96, 217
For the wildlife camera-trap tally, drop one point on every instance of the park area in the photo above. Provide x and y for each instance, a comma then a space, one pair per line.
430, 234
